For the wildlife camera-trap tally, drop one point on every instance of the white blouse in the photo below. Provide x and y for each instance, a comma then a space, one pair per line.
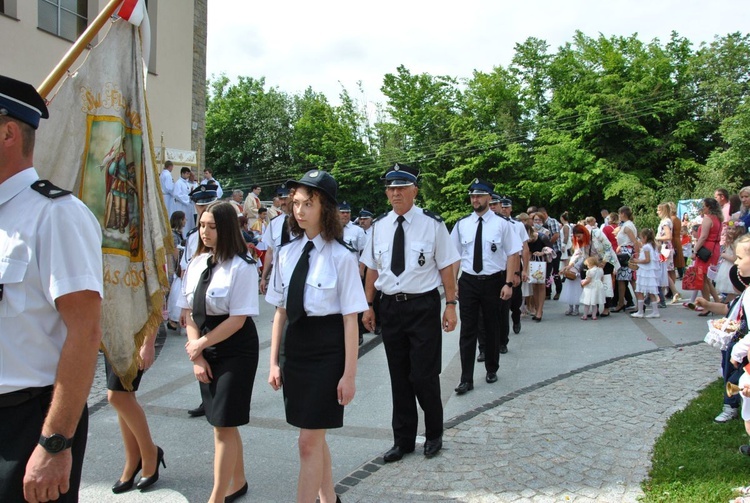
333, 283
233, 289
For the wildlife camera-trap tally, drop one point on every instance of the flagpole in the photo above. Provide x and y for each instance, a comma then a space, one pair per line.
77, 48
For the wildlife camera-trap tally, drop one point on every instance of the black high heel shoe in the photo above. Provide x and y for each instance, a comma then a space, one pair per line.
122, 486
237, 494
146, 482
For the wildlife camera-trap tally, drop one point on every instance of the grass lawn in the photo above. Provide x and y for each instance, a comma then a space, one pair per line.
696, 459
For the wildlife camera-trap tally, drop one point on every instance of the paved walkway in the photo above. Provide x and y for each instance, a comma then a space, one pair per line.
572, 418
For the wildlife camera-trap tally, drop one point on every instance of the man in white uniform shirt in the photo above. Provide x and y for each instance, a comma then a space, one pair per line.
354, 235
276, 234
50, 310
208, 178
489, 258
167, 186
182, 200
408, 255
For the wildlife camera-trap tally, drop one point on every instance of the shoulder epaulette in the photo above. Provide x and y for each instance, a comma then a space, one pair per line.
247, 258
379, 217
48, 190
463, 217
191, 232
347, 245
432, 215
292, 239
277, 216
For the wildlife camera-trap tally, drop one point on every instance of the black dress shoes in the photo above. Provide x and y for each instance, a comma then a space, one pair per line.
237, 494
198, 411
432, 447
503, 349
122, 486
146, 482
464, 387
516, 327
480, 357
396, 453
491, 377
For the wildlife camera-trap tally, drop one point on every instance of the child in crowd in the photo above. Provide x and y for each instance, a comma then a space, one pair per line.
728, 256
571, 291
592, 296
177, 221
647, 280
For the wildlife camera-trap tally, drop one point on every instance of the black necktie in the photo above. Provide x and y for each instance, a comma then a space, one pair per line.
199, 298
397, 262
295, 299
284, 231
478, 248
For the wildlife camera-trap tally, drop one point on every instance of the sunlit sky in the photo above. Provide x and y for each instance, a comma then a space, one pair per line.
326, 45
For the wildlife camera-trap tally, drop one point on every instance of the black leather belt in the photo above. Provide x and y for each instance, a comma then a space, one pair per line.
402, 297
481, 277
21, 396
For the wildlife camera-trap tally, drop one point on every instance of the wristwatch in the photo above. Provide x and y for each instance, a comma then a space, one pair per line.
509, 283
55, 443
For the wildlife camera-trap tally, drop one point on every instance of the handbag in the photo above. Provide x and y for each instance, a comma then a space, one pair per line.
703, 253
692, 279
537, 272
623, 259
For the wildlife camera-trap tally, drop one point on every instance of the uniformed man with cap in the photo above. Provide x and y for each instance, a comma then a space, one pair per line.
50, 310
505, 210
201, 196
488, 248
354, 235
365, 221
408, 255
276, 234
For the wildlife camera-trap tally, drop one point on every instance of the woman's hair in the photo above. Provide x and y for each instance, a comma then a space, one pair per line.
735, 203
229, 241
530, 230
522, 217
712, 205
175, 221
614, 218
583, 241
591, 262
743, 240
591, 221
625, 210
663, 210
745, 190
242, 219
330, 224
565, 217
647, 237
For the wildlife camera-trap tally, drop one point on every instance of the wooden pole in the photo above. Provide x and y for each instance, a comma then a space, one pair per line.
77, 48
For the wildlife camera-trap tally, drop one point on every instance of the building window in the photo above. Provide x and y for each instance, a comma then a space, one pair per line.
8, 7
65, 18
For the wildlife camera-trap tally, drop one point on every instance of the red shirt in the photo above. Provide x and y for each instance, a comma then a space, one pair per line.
609, 231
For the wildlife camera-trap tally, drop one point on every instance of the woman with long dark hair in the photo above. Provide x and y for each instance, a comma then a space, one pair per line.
318, 294
709, 238
220, 287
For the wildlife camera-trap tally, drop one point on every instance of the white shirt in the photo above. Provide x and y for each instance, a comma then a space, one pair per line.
354, 236
233, 289
191, 246
333, 284
167, 189
622, 238
272, 234
499, 241
219, 192
48, 248
183, 203
426, 240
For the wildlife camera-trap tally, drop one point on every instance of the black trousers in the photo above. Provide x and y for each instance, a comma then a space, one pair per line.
553, 268
413, 341
480, 294
515, 304
20, 427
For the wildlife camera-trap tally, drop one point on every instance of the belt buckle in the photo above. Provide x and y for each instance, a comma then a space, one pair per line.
400, 297
481, 277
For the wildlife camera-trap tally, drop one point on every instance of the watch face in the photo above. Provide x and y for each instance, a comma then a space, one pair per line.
55, 443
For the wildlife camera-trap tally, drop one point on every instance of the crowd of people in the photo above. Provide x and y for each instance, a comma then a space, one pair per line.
330, 280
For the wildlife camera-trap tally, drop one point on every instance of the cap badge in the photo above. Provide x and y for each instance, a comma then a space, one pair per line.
396, 167
314, 174
476, 180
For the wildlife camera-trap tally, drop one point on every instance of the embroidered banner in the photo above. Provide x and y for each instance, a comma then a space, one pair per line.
98, 143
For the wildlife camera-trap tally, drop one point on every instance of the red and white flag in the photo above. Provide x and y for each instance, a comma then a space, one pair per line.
133, 11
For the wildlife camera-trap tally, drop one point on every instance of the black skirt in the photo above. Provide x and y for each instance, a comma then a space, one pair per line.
113, 380
233, 362
313, 366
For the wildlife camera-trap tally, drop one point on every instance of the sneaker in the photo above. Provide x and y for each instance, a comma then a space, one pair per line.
727, 414
637, 315
662, 305
652, 315
745, 449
